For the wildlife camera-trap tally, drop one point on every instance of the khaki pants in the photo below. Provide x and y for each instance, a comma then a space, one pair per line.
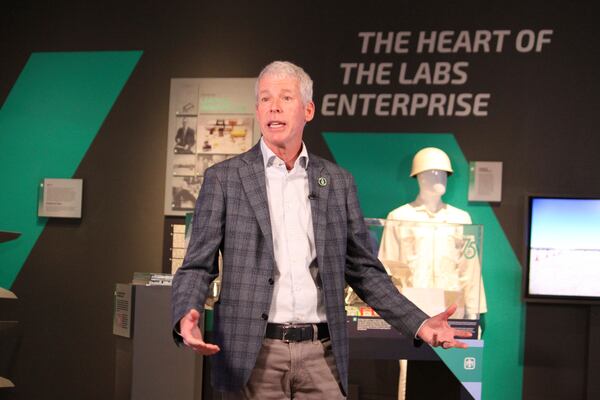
297, 370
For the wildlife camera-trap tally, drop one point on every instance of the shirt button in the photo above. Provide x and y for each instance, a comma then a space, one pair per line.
264, 316
271, 281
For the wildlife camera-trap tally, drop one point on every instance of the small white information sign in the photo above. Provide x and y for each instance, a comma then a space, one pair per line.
122, 310
60, 198
485, 181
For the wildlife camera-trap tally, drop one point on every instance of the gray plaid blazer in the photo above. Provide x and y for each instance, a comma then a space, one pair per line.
232, 215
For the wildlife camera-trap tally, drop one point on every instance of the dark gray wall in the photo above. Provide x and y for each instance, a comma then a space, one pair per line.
542, 127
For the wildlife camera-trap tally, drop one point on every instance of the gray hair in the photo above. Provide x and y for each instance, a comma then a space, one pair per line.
285, 69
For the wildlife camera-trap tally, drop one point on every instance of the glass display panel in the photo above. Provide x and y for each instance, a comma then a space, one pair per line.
435, 265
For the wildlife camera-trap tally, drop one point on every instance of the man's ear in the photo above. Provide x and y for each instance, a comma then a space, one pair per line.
309, 111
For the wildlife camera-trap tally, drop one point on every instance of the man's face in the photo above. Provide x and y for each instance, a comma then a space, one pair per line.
281, 112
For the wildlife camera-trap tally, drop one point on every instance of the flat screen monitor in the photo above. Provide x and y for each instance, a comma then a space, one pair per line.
563, 250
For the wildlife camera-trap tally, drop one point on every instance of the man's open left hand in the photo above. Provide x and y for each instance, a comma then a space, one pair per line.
437, 332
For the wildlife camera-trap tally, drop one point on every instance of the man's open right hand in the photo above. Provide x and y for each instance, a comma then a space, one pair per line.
192, 336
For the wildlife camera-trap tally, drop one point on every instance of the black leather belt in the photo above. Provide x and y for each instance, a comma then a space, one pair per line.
297, 332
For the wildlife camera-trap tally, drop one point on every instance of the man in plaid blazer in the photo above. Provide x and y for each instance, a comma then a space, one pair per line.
236, 214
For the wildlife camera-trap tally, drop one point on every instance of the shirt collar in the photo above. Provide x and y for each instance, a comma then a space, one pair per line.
420, 207
269, 157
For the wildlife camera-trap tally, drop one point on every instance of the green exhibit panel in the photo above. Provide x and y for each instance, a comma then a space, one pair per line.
380, 164
47, 123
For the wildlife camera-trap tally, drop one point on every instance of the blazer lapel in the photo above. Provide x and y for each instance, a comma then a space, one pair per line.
318, 186
252, 176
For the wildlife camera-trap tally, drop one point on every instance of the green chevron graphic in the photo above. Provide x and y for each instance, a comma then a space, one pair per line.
380, 164
47, 124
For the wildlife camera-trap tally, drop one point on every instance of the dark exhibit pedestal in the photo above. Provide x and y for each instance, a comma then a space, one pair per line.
149, 366
374, 368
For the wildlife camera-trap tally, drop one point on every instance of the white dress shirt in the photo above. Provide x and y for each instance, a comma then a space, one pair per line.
297, 295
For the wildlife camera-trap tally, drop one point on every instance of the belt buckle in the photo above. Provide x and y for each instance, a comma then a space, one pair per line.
285, 333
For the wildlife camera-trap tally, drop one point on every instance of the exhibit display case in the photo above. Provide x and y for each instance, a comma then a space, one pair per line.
435, 265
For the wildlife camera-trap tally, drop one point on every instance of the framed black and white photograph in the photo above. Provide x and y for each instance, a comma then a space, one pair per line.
185, 191
185, 137
184, 165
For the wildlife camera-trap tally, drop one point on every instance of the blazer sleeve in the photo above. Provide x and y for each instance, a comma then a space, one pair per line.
367, 276
200, 265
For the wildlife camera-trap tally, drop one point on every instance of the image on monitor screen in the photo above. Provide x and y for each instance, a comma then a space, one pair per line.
564, 247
